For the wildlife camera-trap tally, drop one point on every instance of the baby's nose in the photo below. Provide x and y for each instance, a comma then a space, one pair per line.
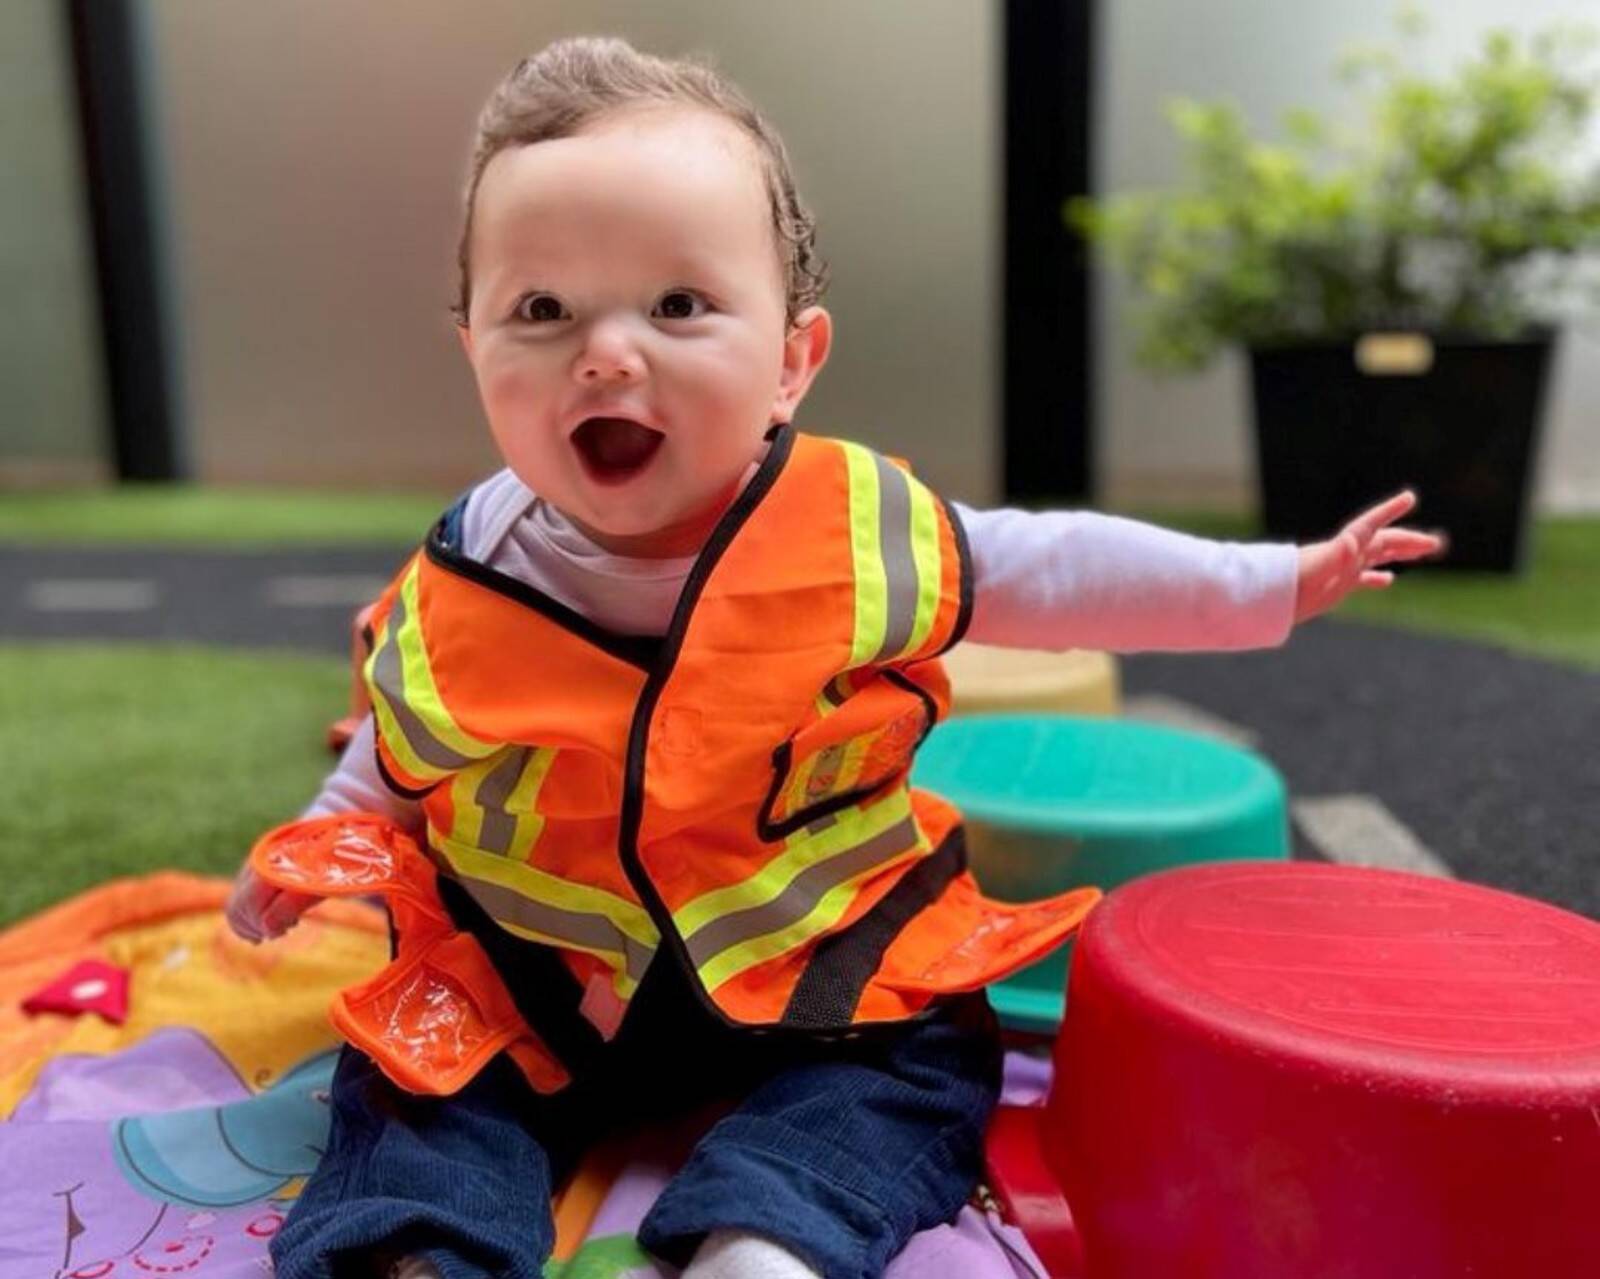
599, 370
609, 355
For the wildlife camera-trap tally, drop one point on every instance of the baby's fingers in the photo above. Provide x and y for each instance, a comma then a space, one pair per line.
1392, 544
1367, 524
281, 913
244, 924
1376, 578
245, 903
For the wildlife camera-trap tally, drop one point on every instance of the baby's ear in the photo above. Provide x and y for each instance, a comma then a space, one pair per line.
465, 334
805, 351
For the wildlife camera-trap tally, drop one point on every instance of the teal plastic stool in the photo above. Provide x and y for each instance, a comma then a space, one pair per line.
1054, 802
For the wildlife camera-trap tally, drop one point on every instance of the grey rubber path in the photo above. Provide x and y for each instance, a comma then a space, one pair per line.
1490, 759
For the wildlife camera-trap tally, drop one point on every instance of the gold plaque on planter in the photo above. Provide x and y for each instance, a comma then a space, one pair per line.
1394, 354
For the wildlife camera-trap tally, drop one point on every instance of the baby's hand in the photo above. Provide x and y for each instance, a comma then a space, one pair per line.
258, 911
1331, 570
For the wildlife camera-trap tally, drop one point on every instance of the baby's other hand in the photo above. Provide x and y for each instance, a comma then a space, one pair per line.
259, 911
1349, 560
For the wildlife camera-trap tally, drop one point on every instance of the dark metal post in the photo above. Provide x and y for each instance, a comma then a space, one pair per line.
122, 180
1048, 348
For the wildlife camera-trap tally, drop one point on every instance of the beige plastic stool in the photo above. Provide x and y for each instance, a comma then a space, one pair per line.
985, 679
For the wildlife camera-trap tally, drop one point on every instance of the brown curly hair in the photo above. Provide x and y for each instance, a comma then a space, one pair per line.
571, 83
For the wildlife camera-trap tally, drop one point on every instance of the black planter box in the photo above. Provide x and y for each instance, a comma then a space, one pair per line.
1333, 437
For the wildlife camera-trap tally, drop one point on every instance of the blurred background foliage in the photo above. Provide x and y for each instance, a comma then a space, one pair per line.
1455, 208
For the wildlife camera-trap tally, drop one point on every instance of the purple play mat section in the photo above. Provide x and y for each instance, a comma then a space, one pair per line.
172, 1143
158, 1161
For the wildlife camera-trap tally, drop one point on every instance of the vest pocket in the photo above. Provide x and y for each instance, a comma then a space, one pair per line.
846, 752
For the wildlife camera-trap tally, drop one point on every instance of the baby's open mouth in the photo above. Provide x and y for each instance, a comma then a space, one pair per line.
615, 448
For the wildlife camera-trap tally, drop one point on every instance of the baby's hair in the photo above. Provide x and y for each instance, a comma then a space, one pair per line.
570, 84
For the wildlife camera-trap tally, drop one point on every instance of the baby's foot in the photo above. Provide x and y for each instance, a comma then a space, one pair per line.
737, 1254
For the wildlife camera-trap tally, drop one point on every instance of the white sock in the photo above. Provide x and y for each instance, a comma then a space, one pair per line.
737, 1254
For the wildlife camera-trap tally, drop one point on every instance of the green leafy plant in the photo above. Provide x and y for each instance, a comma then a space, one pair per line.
1456, 207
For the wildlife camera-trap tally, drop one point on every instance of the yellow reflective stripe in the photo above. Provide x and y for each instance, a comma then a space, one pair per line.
825, 915
795, 792
467, 828
855, 752
511, 826
389, 716
494, 810
803, 849
416, 728
388, 724
540, 885
544, 907
859, 862
925, 551
872, 588
422, 694
523, 800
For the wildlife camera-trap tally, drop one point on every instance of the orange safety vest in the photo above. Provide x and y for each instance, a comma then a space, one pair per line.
735, 801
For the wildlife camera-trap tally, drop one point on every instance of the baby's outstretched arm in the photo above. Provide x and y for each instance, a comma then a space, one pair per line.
1351, 559
1079, 579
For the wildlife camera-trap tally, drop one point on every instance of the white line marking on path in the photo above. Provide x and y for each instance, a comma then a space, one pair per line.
1171, 712
323, 591
1358, 830
89, 595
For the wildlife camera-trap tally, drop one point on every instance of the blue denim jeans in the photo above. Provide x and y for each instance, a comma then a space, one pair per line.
839, 1150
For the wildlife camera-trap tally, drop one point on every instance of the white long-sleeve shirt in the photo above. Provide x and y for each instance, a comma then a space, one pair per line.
1046, 580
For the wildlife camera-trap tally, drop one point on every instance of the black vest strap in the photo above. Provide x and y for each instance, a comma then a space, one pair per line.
543, 988
826, 995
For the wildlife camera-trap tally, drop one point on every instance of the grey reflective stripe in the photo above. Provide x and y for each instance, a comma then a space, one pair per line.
800, 897
899, 566
581, 928
834, 691
499, 825
388, 673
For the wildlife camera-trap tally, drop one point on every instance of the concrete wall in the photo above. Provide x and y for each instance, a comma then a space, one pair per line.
317, 149
52, 393
1188, 439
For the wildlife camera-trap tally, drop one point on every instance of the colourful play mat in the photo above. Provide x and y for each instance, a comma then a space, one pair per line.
161, 1107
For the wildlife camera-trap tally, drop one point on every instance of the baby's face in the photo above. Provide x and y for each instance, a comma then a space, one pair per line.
630, 272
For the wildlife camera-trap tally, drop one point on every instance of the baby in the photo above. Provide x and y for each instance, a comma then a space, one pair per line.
649, 698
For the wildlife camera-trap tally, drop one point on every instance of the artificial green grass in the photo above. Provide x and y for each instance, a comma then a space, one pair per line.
124, 760
1551, 609
186, 515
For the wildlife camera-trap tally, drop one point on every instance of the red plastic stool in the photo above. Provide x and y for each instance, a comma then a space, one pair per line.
1271, 1070
1028, 1192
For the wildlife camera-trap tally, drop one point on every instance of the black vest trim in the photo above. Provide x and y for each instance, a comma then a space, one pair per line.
389, 780
826, 995
672, 948
964, 558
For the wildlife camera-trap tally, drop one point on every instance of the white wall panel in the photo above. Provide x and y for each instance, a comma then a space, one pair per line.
317, 149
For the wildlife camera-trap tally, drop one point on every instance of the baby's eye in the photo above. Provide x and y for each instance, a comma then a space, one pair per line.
680, 304
540, 308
